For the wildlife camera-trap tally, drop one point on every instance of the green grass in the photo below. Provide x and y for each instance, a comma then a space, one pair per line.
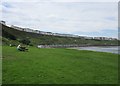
58, 66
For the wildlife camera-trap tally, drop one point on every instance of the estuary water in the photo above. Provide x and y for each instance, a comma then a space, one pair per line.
109, 49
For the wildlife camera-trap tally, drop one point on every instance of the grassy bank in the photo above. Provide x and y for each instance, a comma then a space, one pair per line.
58, 66
10, 36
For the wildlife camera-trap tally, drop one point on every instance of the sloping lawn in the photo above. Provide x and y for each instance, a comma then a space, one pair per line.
58, 66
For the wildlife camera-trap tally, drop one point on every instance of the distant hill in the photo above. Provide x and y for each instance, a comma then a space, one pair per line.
13, 36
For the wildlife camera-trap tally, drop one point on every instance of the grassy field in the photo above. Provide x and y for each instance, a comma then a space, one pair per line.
58, 66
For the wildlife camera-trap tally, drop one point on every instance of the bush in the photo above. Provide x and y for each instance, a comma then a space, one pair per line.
8, 35
31, 44
25, 41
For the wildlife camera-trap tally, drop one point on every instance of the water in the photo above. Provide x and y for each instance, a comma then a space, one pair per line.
110, 49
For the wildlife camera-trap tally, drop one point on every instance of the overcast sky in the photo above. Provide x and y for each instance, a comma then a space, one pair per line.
81, 17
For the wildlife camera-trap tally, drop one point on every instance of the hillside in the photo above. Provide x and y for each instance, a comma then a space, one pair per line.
11, 35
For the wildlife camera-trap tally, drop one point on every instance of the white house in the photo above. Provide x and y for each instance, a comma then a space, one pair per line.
3, 22
28, 30
17, 28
